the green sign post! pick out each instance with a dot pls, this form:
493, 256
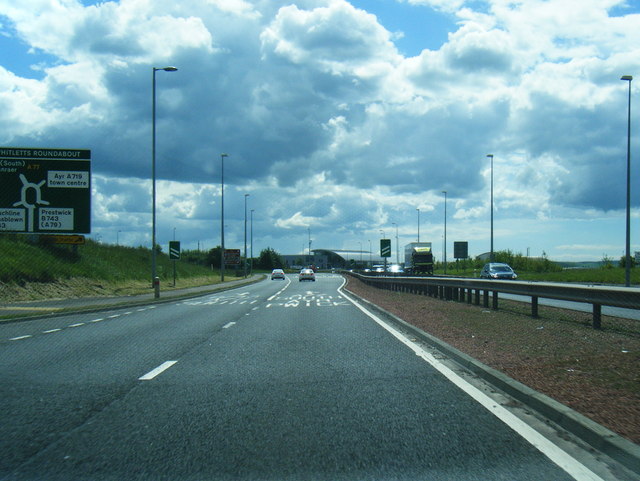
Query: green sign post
45, 190
174, 254
385, 247
174, 250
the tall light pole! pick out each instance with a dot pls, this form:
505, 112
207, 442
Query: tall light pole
445, 231
222, 156
627, 264
491, 208
397, 246
153, 177
370, 261
418, 209
251, 264
245, 234
360, 254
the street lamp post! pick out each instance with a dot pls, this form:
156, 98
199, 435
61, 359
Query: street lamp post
491, 208
627, 264
370, 261
397, 246
445, 231
418, 209
245, 234
251, 262
222, 156
153, 177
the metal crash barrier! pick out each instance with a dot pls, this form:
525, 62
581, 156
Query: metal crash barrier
473, 290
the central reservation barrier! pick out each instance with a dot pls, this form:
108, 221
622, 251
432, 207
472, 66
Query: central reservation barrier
473, 291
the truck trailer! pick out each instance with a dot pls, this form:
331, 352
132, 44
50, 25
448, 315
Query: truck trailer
418, 258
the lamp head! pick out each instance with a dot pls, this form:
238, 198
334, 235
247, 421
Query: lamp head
627, 77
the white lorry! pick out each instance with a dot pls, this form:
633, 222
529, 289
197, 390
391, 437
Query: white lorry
418, 258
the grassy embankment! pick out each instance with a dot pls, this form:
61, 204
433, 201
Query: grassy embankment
31, 271
542, 269
598, 275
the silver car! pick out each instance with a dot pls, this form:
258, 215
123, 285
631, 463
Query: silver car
307, 275
498, 270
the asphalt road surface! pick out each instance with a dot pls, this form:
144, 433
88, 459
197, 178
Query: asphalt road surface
280, 380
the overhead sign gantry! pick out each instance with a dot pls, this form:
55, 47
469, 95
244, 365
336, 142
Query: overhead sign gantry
45, 190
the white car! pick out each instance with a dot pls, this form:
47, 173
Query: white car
277, 274
307, 275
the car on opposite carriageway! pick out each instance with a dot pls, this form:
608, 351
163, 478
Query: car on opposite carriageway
497, 270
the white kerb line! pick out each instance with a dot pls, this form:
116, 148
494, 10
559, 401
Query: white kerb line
561, 458
158, 370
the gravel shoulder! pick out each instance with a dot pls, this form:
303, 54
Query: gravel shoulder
594, 372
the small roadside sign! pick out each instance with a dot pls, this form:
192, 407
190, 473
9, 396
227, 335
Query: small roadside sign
174, 250
385, 247
64, 239
232, 257
460, 250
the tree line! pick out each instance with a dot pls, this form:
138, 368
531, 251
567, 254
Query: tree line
267, 260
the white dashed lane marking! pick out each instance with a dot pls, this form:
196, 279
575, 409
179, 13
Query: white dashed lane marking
19, 338
157, 371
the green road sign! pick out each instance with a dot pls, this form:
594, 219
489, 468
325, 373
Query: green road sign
385, 247
45, 190
174, 250
460, 250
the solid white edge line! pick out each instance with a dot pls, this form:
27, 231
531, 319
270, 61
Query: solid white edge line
158, 370
561, 458
280, 291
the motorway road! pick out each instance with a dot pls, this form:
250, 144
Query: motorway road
279, 380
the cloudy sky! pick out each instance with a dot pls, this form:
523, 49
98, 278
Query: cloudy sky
340, 118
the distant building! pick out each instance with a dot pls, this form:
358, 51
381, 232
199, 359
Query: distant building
332, 258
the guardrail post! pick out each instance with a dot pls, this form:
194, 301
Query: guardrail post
597, 316
485, 299
495, 300
477, 297
534, 306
